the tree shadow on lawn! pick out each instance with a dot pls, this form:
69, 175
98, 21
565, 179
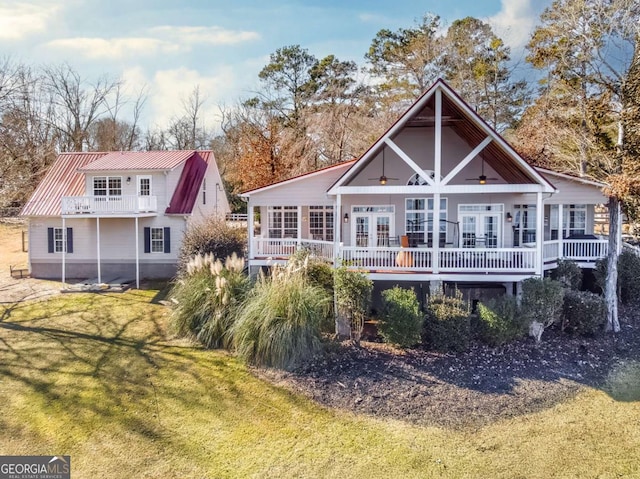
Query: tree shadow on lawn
107, 363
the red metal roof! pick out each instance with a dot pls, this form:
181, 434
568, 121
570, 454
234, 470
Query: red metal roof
62, 179
186, 192
139, 160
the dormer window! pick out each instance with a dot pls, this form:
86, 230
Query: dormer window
107, 186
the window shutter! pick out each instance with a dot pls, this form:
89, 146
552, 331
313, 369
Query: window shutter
69, 240
167, 240
147, 240
50, 239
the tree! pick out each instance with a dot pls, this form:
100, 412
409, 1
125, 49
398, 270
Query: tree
587, 47
475, 64
406, 60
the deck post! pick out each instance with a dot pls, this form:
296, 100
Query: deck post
64, 253
98, 249
437, 168
435, 243
137, 256
539, 235
299, 238
561, 231
250, 226
337, 230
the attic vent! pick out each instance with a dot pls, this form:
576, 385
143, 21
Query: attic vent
417, 180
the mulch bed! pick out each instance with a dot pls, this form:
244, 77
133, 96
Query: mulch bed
469, 389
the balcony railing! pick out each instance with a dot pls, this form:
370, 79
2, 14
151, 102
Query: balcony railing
130, 204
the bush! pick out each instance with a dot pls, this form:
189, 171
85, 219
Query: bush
541, 304
500, 321
353, 297
583, 313
628, 276
207, 297
211, 236
568, 273
401, 321
447, 324
279, 324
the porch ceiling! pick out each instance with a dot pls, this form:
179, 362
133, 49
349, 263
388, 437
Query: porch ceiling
452, 116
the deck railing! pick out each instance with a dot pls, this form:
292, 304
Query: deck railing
395, 258
78, 205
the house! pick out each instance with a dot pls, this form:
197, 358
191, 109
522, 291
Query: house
119, 214
439, 197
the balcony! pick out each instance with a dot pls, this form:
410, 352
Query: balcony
128, 205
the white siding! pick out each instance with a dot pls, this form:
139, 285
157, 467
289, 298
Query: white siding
216, 199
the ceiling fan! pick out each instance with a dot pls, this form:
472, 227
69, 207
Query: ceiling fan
382, 179
482, 179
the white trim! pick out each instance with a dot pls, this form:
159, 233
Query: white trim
467, 160
137, 255
139, 178
540, 234
571, 178
448, 189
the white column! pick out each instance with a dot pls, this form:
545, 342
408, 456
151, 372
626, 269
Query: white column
437, 169
137, 256
539, 234
337, 230
299, 225
98, 249
561, 231
436, 233
64, 252
251, 232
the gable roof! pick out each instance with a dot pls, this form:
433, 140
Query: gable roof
309, 174
66, 176
186, 192
139, 160
62, 179
467, 124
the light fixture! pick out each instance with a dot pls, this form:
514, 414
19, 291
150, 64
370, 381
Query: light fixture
482, 179
128, 179
509, 217
346, 218
383, 180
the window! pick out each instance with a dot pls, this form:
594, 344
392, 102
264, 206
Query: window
144, 186
157, 240
283, 221
419, 220
321, 222
575, 220
107, 186
57, 240
524, 225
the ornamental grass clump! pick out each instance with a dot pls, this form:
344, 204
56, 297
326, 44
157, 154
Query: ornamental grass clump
207, 297
279, 324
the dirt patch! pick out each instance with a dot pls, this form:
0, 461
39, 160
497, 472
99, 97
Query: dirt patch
12, 289
470, 389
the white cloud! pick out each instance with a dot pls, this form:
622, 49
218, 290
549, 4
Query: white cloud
208, 35
168, 89
19, 20
114, 48
161, 40
514, 22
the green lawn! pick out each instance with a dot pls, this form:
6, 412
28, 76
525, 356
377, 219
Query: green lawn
97, 377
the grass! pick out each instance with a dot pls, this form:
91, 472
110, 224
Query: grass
96, 377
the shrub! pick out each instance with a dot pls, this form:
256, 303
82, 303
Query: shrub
353, 298
568, 273
211, 236
401, 321
628, 276
207, 297
447, 324
541, 304
500, 321
279, 324
583, 312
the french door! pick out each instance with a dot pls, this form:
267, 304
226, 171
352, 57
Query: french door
481, 230
372, 228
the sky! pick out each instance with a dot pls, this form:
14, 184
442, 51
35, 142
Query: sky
168, 47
